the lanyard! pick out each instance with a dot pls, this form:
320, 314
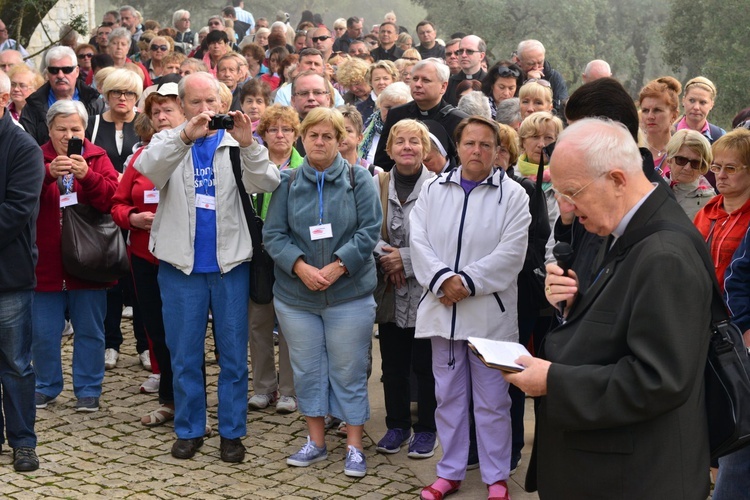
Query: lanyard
319, 179
68, 183
285, 165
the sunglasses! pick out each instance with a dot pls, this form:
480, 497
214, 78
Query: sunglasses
323, 38
506, 72
450, 54
682, 161
163, 48
468, 52
543, 83
53, 70
87, 55
107, 24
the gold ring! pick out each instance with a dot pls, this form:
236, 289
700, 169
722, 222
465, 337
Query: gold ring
547, 289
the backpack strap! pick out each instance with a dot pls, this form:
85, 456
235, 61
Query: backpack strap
384, 179
247, 206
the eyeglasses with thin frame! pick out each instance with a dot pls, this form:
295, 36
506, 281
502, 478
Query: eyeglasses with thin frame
728, 169
53, 70
129, 94
284, 130
540, 81
305, 93
570, 198
22, 86
682, 161
322, 38
468, 52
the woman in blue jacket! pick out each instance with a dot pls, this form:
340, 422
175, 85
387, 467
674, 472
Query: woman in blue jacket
322, 226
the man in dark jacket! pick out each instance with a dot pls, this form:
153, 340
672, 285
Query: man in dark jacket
21, 176
62, 83
428, 84
387, 48
530, 56
353, 32
471, 52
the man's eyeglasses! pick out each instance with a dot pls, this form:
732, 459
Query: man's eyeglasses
163, 48
107, 24
120, 93
468, 52
506, 72
53, 70
323, 38
728, 169
540, 81
87, 55
682, 161
570, 198
305, 93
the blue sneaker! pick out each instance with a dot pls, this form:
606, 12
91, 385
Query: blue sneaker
42, 400
308, 455
355, 465
422, 445
392, 441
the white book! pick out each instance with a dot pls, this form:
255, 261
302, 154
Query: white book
498, 354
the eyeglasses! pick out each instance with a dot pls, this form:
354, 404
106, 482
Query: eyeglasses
22, 86
570, 198
728, 169
120, 93
53, 70
450, 54
4, 30
682, 161
323, 38
506, 72
163, 48
540, 81
87, 55
284, 130
108, 24
468, 52
305, 93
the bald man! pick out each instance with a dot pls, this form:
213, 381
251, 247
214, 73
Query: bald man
596, 69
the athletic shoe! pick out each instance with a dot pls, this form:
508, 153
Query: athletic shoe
145, 359
42, 400
355, 465
127, 312
68, 330
308, 455
151, 385
262, 401
88, 404
392, 441
286, 404
25, 460
110, 358
422, 445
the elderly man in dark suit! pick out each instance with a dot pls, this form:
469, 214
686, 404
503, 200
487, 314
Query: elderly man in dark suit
621, 413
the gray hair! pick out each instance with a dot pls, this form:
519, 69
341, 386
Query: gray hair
395, 92
508, 111
4, 83
443, 73
59, 52
218, 18
178, 15
120, 33
599, 66
529, 45
603, 145
205, 76
475, 103
67, 107
129, 8
278, 24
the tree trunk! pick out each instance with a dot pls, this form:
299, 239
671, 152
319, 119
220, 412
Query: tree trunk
22, 17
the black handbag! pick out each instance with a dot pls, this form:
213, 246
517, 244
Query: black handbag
93, 248
261, 265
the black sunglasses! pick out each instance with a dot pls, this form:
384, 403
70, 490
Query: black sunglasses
506, 72
87, 55
682, 161
53, 70
323, 38
163, 48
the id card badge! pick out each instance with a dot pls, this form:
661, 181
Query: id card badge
151, 196
205, 201
69, 199
321, 232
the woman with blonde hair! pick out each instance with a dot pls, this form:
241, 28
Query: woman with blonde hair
659, 108
23, 82
697, 101
535, 95
689, 157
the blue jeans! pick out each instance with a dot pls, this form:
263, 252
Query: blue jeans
16, 372
328, 349
87, 309
733, 481
186, 299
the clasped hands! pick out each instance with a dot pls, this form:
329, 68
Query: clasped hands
316, 279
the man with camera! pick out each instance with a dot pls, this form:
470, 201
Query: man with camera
201, 239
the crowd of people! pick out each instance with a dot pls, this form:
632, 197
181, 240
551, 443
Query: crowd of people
412, 189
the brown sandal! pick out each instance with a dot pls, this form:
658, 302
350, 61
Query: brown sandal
437, 494
159, 416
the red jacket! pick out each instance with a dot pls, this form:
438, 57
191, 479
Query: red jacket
95, 189
725, 231
128, 199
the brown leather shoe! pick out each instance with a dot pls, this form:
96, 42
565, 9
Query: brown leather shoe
232, 450
186, 448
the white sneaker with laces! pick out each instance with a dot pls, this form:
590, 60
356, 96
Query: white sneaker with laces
110, 358
286, 404
262, 401
145, 359
151, 385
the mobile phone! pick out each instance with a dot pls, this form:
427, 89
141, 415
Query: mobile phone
75, 146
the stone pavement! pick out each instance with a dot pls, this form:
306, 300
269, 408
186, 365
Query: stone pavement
109, 454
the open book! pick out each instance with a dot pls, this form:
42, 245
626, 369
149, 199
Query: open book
498, 354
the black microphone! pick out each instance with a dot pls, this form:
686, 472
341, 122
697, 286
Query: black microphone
564, 255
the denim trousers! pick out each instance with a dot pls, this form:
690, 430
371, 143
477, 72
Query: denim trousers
87, 309
733, 481
329, 348
455, 386
401, 353
185, 301
16, 373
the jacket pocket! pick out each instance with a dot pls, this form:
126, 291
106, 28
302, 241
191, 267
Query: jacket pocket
499, 302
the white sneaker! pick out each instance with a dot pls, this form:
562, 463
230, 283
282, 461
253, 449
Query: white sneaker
110, 358
286, 404
68, 330
262, 401
145, 359
151, 385
127, 312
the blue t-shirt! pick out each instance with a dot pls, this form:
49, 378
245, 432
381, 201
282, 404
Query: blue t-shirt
203, 151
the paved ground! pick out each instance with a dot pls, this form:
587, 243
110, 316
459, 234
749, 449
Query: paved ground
109, 454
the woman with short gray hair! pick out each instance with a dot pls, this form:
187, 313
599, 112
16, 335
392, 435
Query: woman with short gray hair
119, 47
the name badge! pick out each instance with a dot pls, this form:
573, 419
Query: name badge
69, 199
321, 232
151, 196
206, 202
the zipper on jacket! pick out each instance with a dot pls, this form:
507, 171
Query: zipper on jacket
499, 302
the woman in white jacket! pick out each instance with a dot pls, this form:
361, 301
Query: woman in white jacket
468, 239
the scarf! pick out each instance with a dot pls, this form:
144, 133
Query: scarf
374, 127
529, 170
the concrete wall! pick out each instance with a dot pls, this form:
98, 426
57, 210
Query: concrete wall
60, 14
